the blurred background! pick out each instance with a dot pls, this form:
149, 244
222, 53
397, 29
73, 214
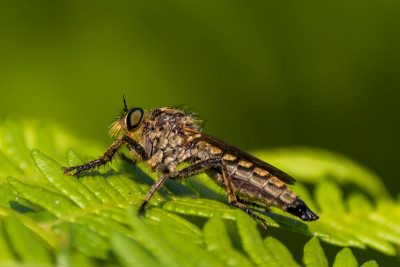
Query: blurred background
262, 75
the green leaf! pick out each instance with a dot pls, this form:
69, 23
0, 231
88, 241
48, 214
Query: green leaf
68, 185
53, 202
68, 256
206, 208
252, 242
370, 264
14, 145
130, 253
75, 259
345, 258
218, 242
156, 244
7, 167
6, 254
314, 255
92, 221
51, 239
85, 240
330, 198
33, 251
196, 253
177, 223
280, 253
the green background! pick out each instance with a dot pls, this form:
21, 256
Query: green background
262, 74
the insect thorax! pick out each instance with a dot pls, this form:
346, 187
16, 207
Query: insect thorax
165, 141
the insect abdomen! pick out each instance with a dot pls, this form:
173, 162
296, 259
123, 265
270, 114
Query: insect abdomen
254, 183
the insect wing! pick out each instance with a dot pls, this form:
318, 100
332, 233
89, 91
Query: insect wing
284, 177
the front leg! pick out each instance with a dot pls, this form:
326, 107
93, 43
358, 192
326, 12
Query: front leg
131, 144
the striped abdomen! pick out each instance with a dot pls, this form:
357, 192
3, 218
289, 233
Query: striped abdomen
254, 183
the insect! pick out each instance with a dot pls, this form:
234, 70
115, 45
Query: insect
166, 137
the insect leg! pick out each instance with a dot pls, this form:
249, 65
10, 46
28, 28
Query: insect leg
184, 173
249, 212
232, 197
228, 184
152, 191
108, 155
134, 146
126, 159
195, 168
199, 168
206, 164
252, 204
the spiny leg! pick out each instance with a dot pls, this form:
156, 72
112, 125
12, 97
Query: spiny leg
184, 173
195, 168
252, 204
135, 147
152, 191
228, 184
108, 155
249, 212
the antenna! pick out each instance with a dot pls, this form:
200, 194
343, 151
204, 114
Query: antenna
125, 106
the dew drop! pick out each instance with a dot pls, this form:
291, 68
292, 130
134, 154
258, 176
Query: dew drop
57, 202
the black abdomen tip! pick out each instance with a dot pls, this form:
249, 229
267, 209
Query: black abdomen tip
299, 208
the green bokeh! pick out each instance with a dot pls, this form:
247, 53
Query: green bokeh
262, 74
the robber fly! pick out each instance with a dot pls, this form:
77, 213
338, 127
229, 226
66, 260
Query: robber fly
166, 137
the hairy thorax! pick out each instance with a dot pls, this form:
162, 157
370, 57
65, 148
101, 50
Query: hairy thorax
165, 141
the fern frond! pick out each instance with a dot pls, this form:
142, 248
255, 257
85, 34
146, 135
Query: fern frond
93, 220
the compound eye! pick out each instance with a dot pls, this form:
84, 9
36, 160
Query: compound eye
134, 118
